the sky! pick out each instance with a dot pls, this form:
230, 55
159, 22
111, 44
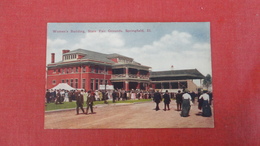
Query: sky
183, 45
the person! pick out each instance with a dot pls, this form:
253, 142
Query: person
200, 101
97, 98
53, 95
157, 99
62, 95
167, 100
100, 94
66, 96
48, 96
119, 94
133, 94
138, 95
73, 95
85, 95
89, 101
186, 99
128, 95
206, 109
114, 96
58, 97
193, 95
106, 97
70, 95
124, 96
79, 102
179, 100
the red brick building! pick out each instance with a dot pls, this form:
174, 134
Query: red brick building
88, 69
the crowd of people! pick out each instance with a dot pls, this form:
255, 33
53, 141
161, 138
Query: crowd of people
184, 99
60, 96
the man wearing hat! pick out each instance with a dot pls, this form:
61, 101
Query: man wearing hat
90, 99
79, 102
179, 100
167, 100
157, 99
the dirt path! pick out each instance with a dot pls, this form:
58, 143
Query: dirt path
138, 115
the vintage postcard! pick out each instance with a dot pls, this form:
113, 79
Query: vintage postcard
128, 75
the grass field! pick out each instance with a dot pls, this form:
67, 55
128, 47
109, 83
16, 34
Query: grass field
67, 105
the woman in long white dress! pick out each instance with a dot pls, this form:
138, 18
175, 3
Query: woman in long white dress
133, 94
66, 96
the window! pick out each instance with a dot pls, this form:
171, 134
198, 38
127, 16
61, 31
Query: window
62, 81
92, 84
92, 70
96, 84
71, 82
53, 82
77, 69
76, 83
84, 69
83, 83
67, 81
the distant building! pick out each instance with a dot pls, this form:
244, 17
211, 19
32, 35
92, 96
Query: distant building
84, 69
174, 80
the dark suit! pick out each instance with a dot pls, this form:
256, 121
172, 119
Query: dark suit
179, 101
79, 102
89, 102
157, 99
48, 96
166, 100
58, 98
114, 96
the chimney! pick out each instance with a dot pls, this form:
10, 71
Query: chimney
52, 57
65, 51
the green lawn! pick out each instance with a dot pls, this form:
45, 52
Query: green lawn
66, 105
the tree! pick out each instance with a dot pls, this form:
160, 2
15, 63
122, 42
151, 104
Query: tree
207, 81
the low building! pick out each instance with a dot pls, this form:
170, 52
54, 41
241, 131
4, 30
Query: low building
84, 69
174, 80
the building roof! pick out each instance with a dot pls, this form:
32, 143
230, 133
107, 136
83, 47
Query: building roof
176, 74
91, 55
115, 55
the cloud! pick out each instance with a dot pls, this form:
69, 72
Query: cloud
180, 49
101, 42
55, 43
55, 46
